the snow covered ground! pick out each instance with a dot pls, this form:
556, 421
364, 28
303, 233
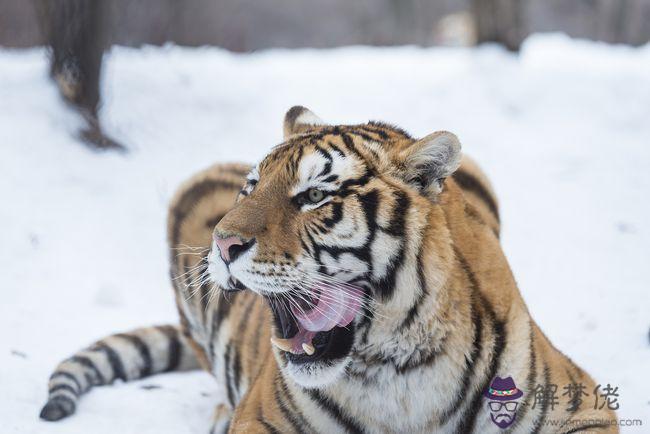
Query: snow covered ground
563, 130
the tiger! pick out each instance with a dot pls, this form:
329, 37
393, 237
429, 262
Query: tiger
351, 282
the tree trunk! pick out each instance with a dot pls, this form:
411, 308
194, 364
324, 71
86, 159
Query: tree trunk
499, 21
75, 33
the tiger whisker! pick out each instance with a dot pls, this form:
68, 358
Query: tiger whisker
326, 289
309, 261
190, 254
293, 302
324, 293
349, 298
335, 283
310, 304
186, 247
200, 263
194, 288
199, 284
198, 278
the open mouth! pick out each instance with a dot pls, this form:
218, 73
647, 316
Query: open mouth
319, 327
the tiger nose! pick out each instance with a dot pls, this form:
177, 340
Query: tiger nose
230, 248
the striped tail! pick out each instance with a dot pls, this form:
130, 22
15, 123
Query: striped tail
124, 356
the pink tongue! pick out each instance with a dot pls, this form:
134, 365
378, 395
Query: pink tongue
336, 306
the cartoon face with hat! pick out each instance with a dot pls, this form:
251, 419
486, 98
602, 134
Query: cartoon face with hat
503, 395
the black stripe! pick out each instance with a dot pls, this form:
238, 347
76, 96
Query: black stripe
226, 373
255, 343
336, 149
245, 317
86, 362
385, 286
192, 278
69, 376
423, 362
235, 366
291, 415
473, 214
576, 398
213, 221
377, 128
219, 315
469, 419
498, 331
62, 386
470, 364
349, 144
204, 293
113, 359
315, 250
424, 292
297, 156
368, 135
288, 415
345, 189
187, 278
397, 226
335, 411
269, 428
187, 202
468, 182
174, 347
337, 215
236, 370
304, 244
241, 328
530, 381
367, 176
295, 409
539, 423
143, 351
366, 138
328, 165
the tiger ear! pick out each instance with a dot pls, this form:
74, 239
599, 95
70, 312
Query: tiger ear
427, 162
299, 120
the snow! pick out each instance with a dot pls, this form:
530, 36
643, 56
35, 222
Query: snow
563, 131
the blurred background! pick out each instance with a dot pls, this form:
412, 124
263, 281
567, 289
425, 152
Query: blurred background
107, 106
79, 31
246, 25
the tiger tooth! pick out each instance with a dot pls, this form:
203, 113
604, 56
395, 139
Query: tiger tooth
309, 349
283, 344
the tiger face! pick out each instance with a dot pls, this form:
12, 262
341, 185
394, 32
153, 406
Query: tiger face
321, 228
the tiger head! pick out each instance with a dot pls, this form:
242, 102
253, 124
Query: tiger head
322, 228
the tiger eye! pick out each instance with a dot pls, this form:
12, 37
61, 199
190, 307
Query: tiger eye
315, 195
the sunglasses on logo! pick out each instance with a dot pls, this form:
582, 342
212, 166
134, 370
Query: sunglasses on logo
510, 406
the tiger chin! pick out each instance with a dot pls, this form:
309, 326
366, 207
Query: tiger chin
352, 281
